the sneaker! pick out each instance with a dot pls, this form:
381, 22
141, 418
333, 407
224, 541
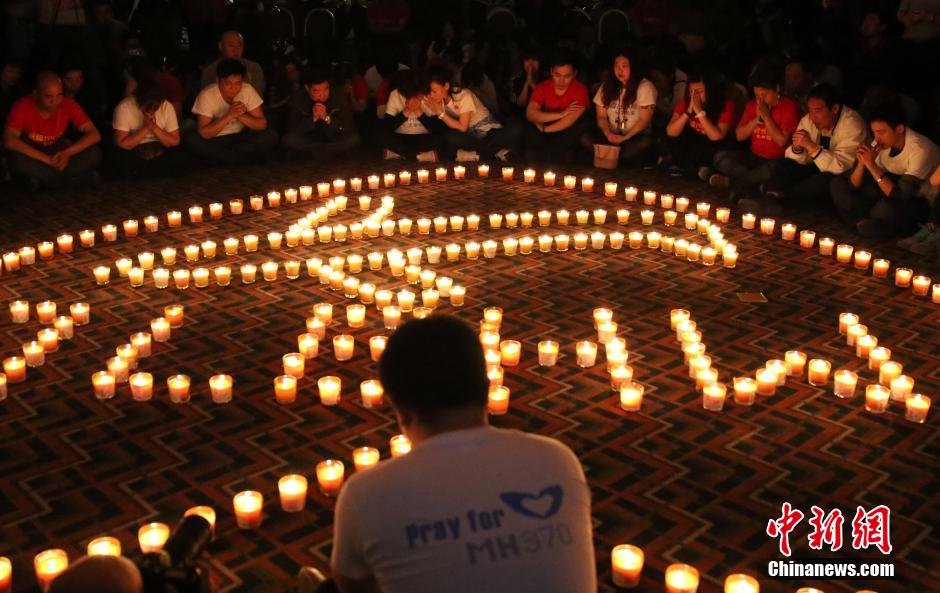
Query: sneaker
390, 155
503, 155
429, 156
917, 237
928, 246
705, 172
718, 180
309, 579
467, 156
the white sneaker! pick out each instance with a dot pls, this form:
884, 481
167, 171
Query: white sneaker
429, 156
309, 579
467, 156
390, 155
503, 154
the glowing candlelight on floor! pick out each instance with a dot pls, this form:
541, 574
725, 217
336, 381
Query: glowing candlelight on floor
847, 320
293, 364
268, 271
844, 253
200, 277
880, 268
440, 174
174, 314
876, 399
34, 353
19, 311
889, 371
46, 249
457, 294
741, 583
330, 476
646, 217
681, 578
11, 261
27, 256
498, 400
152, 536
854, 332
935, 293
220, 387
141, 386
128, 353
819, 371
826, 246
587, 353
343, 347
508, 172
103, 383
423, 176
631, 397
371, 392
400, 445
626, 565
256, 202
377, 347
745, 390
916, 408
862, 259
48, 565
160, 328
864, 344
767, 226
901, 387
748, 220
65, 325
6, 575
713, 397
103, 546
329, 388
484, 171
66, 243
365, 458
902, 277
174, 218
292, 489
181, 279
767, 380
249, 509
178, 386
796, 362
45, 312
570, 181
459, 172
14, 368
285, 389
620, 375
845, 382
510, 351
920, 285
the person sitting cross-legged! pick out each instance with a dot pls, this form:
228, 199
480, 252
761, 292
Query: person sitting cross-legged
146, 132
555, 112
926, 241
231, 127
889, 190
472, 128
321, 121
40, 152
823, 147
409, 128
457, 513
699, 127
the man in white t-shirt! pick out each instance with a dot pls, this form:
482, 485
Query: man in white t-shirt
410, 128
471, 508
230, 124
146, 132
888, 192
471, 126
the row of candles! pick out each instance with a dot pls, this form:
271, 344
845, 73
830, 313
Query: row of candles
248, 508
47, 339
844, 253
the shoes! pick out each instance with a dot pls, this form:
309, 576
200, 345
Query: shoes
428, 156
872, 229
928, 246
718, 180
309, 579
390, 155
467, 156
504, 155
917, 237
704, 173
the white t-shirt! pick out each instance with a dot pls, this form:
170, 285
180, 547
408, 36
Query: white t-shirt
627, 115
129, 118
918, 158
470, 511
463, 101
412, 125
211, 104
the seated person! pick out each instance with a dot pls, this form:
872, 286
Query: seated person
471, 127
926, 241
101, 574
321, 121
768, 121
409, 127
231, 127
624, 106
232, 47
458, 472
823, 147
146, 132
35, 136
524, 82
554, 112
699, 127
888, 190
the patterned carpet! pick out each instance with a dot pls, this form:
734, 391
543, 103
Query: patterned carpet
683, 483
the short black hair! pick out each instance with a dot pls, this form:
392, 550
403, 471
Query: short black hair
439, 75
765, 74
230, 67
411, 84
434, 365
564, 58
826, 93
889, 113
149, 93
315, 76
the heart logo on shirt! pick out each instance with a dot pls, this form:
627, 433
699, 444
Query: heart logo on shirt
539, 506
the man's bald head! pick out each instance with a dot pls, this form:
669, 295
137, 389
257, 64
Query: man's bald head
101, 574
48, 91
232, 45
44, 79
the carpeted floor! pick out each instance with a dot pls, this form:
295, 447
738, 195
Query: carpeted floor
683, 483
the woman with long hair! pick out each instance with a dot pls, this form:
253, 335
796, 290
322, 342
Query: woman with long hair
624, 105
699, 126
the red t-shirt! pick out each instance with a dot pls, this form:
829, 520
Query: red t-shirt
726, 117
786, 114
545, 97
383, 91
44, 133
360, 89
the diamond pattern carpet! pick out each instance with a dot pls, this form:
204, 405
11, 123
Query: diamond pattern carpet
683, 483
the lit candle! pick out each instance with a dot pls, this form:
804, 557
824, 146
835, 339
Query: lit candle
681, 578
19, 311
629, 193
864, 344
767, 380
220, 387
11, 261
819, 371
27, 256
889, 371
876, 399
343, 347
844, 253
748, 220
510, 351
181, 279
87, 237
141, 386
498, 400
371, 392
6, 575
46, 250
292, 489
587, 353
846, 320
795, 361
902, 277
423, 176
365, 458
103, 546
631, 397
916, 408
713, 397
152, 536
329, 388
160, 328
880, 268
400, 445
549, 178
178, 386
103, 383
826, 246
901, 388
741, 583
920, 285
249, 509
48, 565
285, 389
845, 382
206, 512
767, 226
128, 353
745, 389
45, 312
854, 332
457, 294
330, 476
862, 259
377, 347
34, 354
66, 242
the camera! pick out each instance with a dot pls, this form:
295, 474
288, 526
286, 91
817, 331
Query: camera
174, 569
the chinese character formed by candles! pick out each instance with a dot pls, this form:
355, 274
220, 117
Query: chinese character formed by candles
330, 388
631, 397
141, 386
285, 389
220, 387
845, 382
876, 399
178, 386
103, 382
